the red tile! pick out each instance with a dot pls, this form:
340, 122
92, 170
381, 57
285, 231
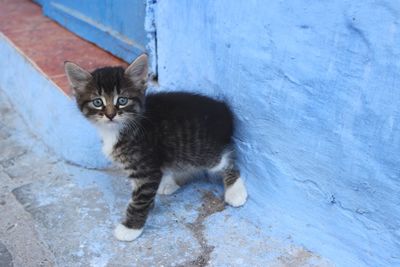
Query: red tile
62, 82
20, 15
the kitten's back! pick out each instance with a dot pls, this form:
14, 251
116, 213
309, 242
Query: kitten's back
212, 113
191, 126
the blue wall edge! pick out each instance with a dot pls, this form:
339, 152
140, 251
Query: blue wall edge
49, 113
92, 31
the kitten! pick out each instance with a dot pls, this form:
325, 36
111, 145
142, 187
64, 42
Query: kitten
158, 138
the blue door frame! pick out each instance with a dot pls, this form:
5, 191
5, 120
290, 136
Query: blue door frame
115, 25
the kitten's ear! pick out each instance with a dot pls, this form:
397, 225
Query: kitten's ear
137, 72
77, 76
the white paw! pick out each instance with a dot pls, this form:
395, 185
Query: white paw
123, 233
236, 194
167, 186
133, 184
167, 189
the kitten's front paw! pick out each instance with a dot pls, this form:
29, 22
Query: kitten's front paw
167, 187
236, 194
123, 233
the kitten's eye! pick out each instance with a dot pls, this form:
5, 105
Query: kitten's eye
122, 101
97, 102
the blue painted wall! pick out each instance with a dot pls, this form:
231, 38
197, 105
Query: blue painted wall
316, 90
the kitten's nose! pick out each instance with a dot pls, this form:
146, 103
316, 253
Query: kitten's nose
111, 115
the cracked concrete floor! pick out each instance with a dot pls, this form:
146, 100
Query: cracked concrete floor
57, 214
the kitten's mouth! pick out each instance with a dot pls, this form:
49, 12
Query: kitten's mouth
107, 122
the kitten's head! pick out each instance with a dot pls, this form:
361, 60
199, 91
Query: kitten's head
109, 96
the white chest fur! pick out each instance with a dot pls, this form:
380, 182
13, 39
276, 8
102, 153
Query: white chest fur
109, 135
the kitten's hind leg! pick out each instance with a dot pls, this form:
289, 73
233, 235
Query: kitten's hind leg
235, 190
168, 184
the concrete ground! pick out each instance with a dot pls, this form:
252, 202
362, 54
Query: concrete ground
53, 213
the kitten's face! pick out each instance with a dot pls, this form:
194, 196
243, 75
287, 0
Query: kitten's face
109, 96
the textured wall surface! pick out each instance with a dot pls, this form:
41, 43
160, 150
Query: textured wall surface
316, 90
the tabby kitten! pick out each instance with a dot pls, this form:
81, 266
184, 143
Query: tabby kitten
158, 138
